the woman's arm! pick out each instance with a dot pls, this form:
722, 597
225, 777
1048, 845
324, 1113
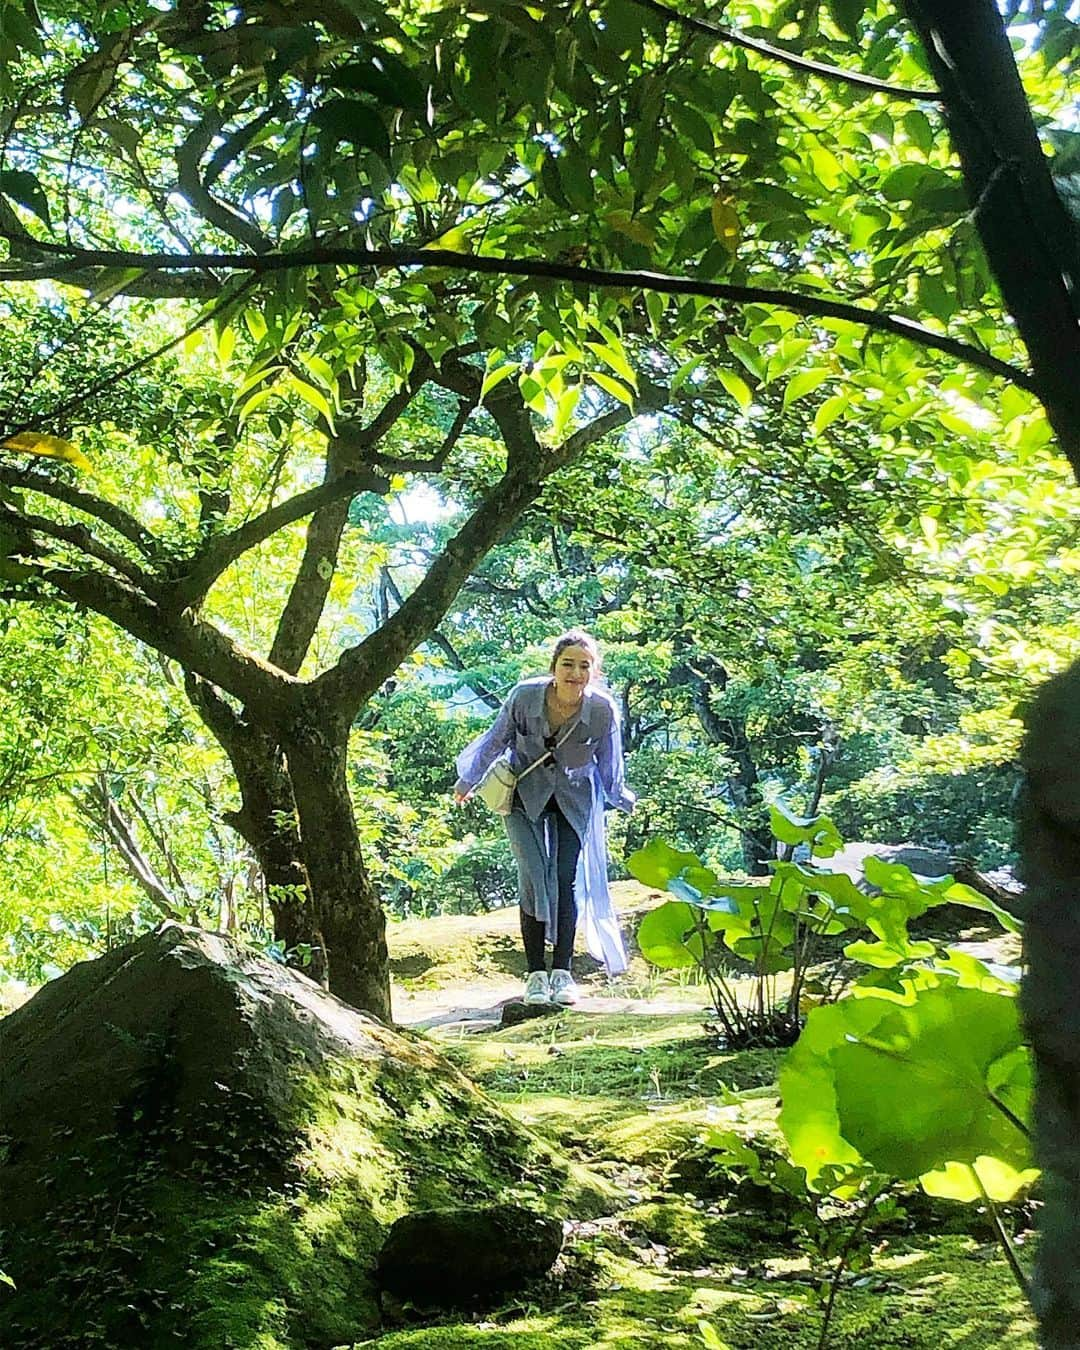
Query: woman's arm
609, 764
479, 755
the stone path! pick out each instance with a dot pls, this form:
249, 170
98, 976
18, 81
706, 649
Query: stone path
479, 1007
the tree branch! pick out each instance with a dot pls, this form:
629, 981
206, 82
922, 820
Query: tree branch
198, 195
771, 53
362, 668
311, 585
195, 644
434, 463
812, 306
363, 438
440, 640
79, 537
112, 821
113, 516
190, 589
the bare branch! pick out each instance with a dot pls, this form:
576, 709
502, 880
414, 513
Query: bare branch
813, 306
360, 438
436, 462
111, 819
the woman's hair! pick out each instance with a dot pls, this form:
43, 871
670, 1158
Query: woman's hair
576, 637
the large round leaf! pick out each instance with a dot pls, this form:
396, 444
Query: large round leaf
912, 1091
668, 936
912, 1088
657, 863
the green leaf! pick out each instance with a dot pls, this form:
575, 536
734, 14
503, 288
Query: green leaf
912, 1092
382, 75
614, 387
805, 382
22, 187
552, 181
909, 1088
615, 357
690, 123
669, 936
829, 411
565, 408
314, 398
1000, 1181
847, 15
919, 131
819, 831
658, 862
736, 387
748, 354
496, 377
344, 119
827, 168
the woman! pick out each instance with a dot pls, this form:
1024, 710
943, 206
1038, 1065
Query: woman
556, 824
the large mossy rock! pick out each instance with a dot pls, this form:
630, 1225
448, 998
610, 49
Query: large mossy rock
200, 1147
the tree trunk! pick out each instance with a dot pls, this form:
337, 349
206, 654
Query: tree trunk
347, 909
730, 732
1030, 241
267, 821
1050, 845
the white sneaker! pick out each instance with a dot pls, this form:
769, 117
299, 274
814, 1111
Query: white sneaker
563, 988
537, 988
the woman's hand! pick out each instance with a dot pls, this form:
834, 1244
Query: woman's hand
460, 798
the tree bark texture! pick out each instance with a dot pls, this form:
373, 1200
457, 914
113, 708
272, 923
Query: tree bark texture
1050, 847
1025, 229
267, 821
347, 907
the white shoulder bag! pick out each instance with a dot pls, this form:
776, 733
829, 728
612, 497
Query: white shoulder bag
496, 788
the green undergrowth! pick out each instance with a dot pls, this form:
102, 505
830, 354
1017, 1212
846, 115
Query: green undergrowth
631, 1094
931, 1293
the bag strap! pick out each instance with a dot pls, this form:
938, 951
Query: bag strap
547, 753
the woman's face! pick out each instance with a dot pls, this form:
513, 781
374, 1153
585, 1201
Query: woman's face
573, 671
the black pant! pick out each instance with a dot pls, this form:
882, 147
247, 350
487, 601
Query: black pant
532, 930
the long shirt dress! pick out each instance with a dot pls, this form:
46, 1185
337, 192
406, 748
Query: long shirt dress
584, 776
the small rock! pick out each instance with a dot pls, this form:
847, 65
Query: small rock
451, 1256
515, 1011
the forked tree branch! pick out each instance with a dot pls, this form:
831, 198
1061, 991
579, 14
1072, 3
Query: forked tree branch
191, 587
80, 538
347, 686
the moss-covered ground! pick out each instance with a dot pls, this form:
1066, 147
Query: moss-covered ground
630, 1093
154, 1235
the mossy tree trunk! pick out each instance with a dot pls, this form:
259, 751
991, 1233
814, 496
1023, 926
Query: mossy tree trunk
351, 923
